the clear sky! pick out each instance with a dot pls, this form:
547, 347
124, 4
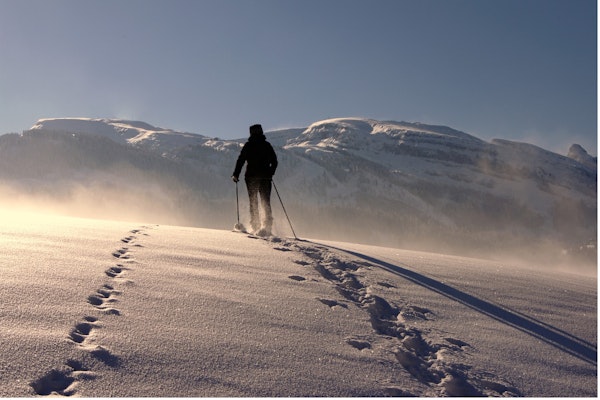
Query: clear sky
515, 69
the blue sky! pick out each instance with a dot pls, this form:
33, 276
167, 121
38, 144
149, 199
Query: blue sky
515, 69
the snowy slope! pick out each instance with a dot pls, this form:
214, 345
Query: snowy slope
447, 180
122, 131
100, 309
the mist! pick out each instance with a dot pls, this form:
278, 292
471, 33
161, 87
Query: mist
447, 192
140, 199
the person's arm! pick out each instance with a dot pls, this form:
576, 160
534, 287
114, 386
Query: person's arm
273, 162
239, 164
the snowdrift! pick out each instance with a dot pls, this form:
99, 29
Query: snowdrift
98, 308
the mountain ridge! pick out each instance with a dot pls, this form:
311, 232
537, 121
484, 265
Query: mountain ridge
142, 129
377, 182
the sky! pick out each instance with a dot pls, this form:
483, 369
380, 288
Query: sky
522, 70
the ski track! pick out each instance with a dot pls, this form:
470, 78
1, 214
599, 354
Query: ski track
438, 362
63, 381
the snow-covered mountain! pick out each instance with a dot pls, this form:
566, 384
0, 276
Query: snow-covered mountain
382, 182
121, 131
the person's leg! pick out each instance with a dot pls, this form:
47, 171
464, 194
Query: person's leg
265, 197
253, 188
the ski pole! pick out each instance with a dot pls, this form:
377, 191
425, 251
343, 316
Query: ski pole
284, 211
237, 202
238, 227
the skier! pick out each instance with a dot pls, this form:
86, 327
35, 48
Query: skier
262, 163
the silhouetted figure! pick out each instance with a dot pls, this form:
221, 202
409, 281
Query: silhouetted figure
262, 163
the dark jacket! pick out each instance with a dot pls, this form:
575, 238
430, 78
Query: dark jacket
261, 158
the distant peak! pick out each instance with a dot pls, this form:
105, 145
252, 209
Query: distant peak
120, 130
352, 123
577, 149
79, 122
353, 126
579, 154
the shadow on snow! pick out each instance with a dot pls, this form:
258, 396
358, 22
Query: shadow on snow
556, 337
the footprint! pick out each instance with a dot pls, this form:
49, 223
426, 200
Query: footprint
102, 298
282, 248
313, 253
416, 366
343, 265
95, 300
121, 253
325, 273
414, 342
383, 316
379, 307
350, 281
503, 389
104, 355
349, 294
79, 371
456, 384
80, 332
114, 271
332, 303
397, 392
106, 296
76, 365
413, 313
99, 301
62, 381
106, 291
55, 381
456, 342
359, 344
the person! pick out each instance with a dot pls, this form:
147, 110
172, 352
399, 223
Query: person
261, 165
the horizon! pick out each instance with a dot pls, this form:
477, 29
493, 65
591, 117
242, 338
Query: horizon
267, 131
216, 67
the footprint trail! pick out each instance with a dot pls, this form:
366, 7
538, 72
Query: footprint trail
439, 363
63, 381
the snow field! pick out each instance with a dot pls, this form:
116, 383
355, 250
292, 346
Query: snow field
96, 308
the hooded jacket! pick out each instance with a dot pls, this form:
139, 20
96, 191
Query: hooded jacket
260, 156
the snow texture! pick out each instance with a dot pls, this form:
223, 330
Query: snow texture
99, 308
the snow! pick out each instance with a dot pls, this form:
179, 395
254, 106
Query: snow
122, 131
104, 308
579, 154
399, 184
